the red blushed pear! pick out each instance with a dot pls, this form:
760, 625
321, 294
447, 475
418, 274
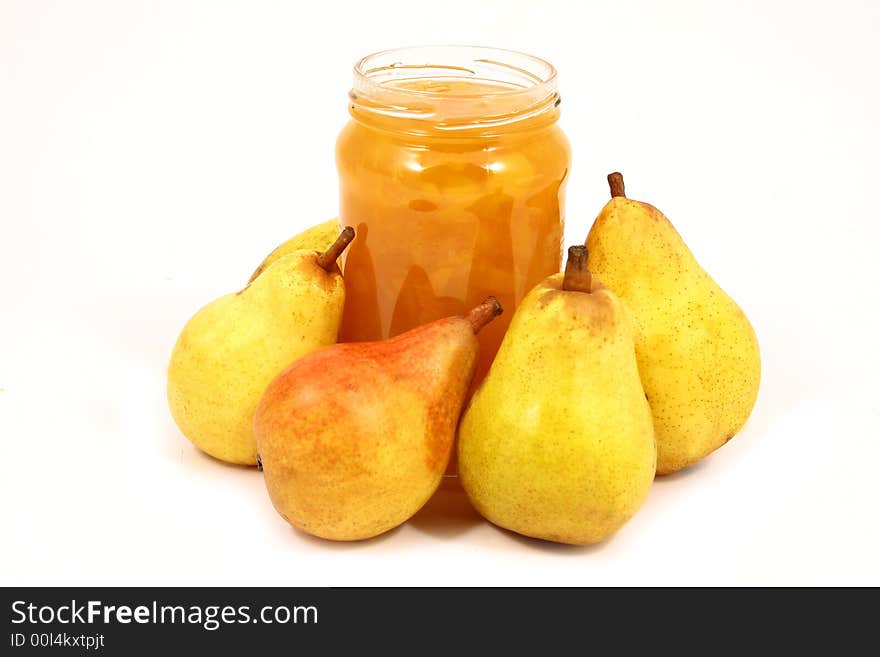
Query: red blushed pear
354, 438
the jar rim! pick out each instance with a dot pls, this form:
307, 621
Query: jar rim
515, 85
466, 61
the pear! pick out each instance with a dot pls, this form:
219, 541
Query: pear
354, 438
231, 349
558, 442
697, 352
311, 239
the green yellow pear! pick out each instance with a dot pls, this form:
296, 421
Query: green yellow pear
230, 350
355, 438
315, 238
558, 442
697, 352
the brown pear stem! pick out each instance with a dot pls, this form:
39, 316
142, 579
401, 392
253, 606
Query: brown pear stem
484, 313
577, 276
328, 258
615, 182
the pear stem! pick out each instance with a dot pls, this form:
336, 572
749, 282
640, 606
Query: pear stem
615, 182
328, 258
484, 313
577, 276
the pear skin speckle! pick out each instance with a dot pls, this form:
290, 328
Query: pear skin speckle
558, 442
698, 354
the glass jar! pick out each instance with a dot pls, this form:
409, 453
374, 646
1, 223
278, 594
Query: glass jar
452, 172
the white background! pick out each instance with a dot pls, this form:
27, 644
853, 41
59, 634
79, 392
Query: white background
152, 152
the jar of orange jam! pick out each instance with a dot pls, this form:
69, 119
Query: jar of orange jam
452, 171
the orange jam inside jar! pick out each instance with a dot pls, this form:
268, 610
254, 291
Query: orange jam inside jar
452, 172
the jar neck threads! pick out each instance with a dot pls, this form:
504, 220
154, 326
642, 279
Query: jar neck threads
454, 91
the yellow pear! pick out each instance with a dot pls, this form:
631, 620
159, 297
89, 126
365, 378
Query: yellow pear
312, 239
230, 350
697, 352
558, 443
